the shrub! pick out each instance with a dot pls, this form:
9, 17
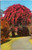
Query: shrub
4, 30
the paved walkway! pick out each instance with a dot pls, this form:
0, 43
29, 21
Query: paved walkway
22, 44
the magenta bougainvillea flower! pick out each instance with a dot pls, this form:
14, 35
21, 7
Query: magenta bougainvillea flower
18, 15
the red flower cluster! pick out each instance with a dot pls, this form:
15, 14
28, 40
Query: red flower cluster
18, 14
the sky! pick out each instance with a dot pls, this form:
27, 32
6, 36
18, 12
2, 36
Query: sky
6, 4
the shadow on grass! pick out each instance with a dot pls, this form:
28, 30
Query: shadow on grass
17, 36
6, 41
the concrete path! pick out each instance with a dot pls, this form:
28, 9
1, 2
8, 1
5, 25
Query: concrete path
22, 44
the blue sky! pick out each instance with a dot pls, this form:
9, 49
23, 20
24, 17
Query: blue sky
6, 4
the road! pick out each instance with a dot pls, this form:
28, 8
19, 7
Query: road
18, 43
22, 44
